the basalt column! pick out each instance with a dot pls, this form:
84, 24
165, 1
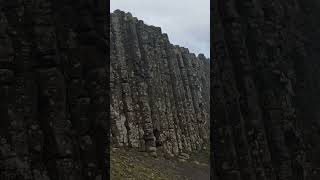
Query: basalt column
160, 92
54, 111
261, 80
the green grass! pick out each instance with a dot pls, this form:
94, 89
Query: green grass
128, 166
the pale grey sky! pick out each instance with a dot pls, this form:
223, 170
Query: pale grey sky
187, 22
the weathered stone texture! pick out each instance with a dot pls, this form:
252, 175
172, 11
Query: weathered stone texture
264, 90
53, 90
160, 92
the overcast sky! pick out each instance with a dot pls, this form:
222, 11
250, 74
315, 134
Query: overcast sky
187, 22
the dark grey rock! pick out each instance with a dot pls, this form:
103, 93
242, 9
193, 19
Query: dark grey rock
160, 92
53, 90
264, 100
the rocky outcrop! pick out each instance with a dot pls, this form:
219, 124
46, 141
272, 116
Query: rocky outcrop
53, 90
159, 92
264, 92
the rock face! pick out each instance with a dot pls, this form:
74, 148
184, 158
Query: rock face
265, 90
159, 92
53, 91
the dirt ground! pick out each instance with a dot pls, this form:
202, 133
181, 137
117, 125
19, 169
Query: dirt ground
131, 164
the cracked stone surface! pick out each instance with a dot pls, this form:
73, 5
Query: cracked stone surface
159, 91
53, 90
265, 90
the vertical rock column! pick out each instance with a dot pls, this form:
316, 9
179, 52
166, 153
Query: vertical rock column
123, 97
168, 129
177, 108
92, 53
256, 52
11, 122
153, 94
137, 78
146, 103
54, 89
201, 66
52, 95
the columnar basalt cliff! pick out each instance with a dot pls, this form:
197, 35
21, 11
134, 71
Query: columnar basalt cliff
53, 91
159, 92
265, 90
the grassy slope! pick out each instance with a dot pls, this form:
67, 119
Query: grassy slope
134, 165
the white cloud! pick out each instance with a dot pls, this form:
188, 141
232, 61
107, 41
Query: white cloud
187, 22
